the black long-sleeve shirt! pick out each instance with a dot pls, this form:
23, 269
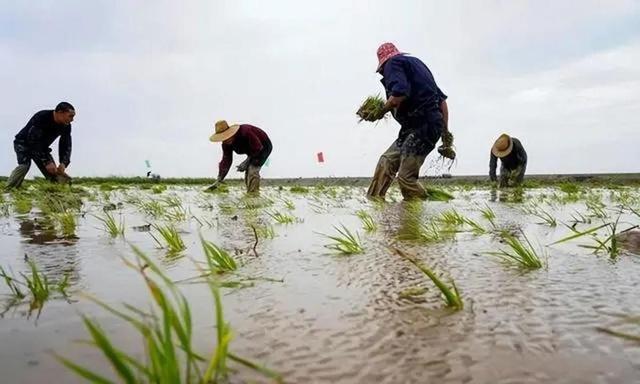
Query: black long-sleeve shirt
40, 132
516, 158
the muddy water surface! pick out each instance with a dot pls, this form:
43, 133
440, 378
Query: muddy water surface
343, 319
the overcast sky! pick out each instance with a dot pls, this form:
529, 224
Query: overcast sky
149, 79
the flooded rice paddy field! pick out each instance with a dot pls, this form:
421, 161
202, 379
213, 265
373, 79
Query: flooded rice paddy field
315, 315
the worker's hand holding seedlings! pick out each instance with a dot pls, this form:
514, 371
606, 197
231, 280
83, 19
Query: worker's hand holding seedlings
392, 103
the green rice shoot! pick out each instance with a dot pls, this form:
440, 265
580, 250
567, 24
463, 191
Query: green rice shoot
345, 241
371, 105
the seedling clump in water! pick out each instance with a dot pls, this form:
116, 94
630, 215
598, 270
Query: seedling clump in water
345, 242
167, 335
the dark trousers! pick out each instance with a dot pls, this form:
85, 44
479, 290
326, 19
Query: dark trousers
252, 172
512, 177
24, 157
404, 158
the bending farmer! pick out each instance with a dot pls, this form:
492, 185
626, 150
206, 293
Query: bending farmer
242, 139
420, 107
513, 160
34, 140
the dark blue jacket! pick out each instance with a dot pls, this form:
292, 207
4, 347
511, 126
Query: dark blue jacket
408, 76
40, 132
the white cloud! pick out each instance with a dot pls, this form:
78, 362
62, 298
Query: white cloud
149, 81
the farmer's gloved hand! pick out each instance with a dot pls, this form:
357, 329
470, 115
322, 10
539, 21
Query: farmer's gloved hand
242, 167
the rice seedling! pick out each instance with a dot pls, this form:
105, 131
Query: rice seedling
446, 150
569, 188
67, 223
576, 234
520, 253
172, 239
281, 218
158, 189
166, 331
579, 218
626, 321
597, 209
12, 284
371, 105
176, 214
451, 295
265, 231
4, 209
36, 283
299, 189
368, 224
151, 208
608, 244
22, 204
289, 204
221, 188
451, 218
476, 228
218, 260
253, 203
345, 241
435, 194
412, 292
110, 226
489, 215
545, 216
414, 228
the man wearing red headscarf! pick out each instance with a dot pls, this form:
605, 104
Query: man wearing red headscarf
420, 107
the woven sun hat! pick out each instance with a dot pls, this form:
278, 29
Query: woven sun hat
385, 52
224, 131
503, 146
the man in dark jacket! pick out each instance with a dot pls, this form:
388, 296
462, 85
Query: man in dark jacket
513, 159
420, 107
33, 143
242, 139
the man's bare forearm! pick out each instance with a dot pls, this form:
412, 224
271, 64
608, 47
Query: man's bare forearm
444, 108
392, 103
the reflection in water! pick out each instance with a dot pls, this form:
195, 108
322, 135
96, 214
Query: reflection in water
56, 261
41, 230
508, 195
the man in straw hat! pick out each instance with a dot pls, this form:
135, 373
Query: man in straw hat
420, 107
242, 139
513, 159
33, 141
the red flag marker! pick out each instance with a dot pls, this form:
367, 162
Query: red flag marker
320, 156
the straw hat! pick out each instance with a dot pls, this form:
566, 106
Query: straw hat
503, 146
385, 52
224, 131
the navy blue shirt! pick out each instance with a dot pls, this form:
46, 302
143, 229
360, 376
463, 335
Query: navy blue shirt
408, 76
40, 132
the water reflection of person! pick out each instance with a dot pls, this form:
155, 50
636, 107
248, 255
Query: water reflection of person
41, 232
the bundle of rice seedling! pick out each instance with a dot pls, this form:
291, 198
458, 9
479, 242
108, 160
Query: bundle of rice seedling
446, 149
371, 105
435, 194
